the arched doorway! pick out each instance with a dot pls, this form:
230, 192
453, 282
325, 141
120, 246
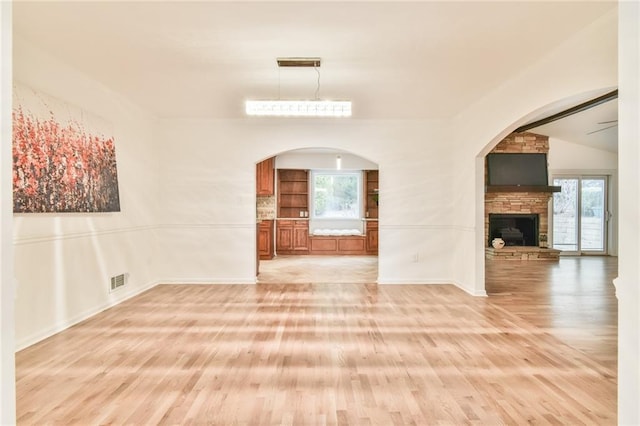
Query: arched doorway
317, 217
573, 299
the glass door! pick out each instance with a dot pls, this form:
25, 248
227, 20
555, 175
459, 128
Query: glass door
580, 215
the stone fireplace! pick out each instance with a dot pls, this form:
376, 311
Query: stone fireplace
518, 212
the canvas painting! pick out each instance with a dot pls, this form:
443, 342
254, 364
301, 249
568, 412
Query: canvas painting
64, 157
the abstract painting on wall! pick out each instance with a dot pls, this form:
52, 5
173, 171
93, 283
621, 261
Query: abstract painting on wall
64, 158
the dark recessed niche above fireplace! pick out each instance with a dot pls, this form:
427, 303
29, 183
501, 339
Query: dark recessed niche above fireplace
514, 229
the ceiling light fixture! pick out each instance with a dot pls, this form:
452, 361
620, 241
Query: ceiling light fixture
299, 108
338, 162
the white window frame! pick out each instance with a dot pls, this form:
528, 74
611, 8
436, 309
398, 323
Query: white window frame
312, 187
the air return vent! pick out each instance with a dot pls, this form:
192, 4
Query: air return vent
117, 282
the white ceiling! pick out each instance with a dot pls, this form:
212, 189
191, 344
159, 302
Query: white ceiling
596, 127
392, 59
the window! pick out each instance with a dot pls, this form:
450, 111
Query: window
336, 195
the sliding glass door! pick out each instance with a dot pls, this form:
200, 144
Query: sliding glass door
580, 214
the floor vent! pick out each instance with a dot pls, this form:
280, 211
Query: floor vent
117, 282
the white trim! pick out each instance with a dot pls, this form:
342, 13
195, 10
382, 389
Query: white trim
86, 314
212, 281
418, 281
77, 235
425, 227
403, 281
474, 293
223, 226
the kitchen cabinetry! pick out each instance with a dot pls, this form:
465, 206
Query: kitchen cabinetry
265, 177
292, 236
372, 237
265, 240
371, 190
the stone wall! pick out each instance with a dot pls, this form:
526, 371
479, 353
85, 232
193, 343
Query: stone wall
520, 202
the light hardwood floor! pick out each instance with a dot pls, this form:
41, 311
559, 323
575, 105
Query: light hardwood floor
338, 354
295, 269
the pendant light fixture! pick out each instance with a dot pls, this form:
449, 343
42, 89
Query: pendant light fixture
299, 108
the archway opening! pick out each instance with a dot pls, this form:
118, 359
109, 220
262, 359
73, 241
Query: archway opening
317, 217
573, 298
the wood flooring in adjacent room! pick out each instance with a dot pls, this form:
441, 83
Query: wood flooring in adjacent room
540, 349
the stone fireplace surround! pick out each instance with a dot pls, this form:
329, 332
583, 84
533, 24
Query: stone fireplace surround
529, 203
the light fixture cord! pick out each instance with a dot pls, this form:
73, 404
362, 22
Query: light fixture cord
318, 86
278, 83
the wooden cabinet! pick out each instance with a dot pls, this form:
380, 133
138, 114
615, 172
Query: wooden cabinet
293, 193
371, 191
372, 237
265, 177
265, 240
284, 237
292, 236
301, 236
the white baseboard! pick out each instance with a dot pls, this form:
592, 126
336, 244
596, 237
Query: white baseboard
391, 281
213, 281
476, 293
387, 281
63, 325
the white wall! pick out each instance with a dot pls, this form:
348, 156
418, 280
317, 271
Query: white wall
319, 161
208, 181
565, 155
581, 64
7, 337
628, 281
63, 261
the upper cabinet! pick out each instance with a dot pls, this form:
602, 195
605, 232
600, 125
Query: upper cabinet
293, 193
265, 177
371, 193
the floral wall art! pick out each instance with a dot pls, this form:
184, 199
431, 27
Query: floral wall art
64, 157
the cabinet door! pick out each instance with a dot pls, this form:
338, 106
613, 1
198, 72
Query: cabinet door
265, 238
284, 237
372, 237
301, 238
265, 177
372, 241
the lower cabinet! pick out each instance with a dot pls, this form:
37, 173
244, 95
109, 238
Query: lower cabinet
265, 240
372, 237
292, 237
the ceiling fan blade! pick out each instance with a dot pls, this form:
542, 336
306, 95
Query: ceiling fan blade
607, 122
604, 128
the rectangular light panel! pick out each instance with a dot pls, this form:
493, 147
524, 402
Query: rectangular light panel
279, 108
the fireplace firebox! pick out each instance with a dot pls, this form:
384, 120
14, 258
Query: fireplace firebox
514, 229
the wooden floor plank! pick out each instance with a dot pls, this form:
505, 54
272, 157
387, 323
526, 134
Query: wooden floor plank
339, 354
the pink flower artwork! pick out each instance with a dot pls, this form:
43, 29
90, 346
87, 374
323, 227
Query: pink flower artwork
64, 158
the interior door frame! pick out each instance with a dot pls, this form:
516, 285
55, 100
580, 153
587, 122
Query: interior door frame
608, 216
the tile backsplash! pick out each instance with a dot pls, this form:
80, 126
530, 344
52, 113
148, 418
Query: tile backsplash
266, 207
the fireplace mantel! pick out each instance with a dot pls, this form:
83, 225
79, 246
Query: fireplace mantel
522, 188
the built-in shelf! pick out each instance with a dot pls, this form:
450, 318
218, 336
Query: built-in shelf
293, 193
522, 188
371, 189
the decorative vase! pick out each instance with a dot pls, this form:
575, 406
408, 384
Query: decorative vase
497, 243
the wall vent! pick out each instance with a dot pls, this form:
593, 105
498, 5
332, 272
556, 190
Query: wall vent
117, 282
